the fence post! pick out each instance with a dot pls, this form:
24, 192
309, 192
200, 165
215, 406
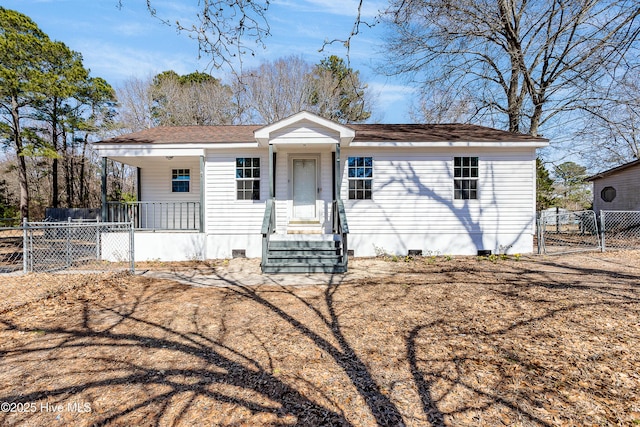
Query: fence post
68, 243
98, 236
132, 253
542, 225
538, 230
25, 247
602, 230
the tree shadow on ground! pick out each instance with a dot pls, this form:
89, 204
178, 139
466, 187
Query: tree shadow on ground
380, 406
451, 354
220, 372
447, 354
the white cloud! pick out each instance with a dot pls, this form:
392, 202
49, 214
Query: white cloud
115, 63
132, 28
391, 93
335, 7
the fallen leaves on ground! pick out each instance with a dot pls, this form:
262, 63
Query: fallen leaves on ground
431, 341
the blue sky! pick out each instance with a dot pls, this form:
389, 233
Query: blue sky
117, 44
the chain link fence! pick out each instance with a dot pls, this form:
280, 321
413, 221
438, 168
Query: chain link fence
11, 245
54, 246
621, 229
566, 232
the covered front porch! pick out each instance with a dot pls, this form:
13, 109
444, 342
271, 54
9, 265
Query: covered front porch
169, 194
305, 225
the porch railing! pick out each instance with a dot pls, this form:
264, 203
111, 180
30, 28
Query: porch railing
156, 215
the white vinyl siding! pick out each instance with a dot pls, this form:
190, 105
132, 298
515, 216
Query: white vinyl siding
157, 182
157, 186
306, 132
413, 193
224, 213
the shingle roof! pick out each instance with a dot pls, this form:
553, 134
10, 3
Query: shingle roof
187, 134
436, 132
364, 133
613, 170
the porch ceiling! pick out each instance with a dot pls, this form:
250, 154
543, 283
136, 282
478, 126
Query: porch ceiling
141, 162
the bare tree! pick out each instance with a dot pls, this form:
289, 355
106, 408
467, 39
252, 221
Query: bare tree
610, 133
169, 99
276, 89
195, 99
283, 87
522, 60
135, 104
445, 106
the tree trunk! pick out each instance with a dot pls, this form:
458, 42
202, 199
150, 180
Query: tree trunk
54, 184
68, 169
55, 196
83, 193
22, 164
535, 120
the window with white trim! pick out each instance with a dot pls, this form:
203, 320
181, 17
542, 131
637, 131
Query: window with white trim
360, 173
248, 178
465, 178
180, 180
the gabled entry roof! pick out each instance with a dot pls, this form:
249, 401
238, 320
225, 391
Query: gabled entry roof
307, 125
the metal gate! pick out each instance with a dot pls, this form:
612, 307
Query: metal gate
567, 232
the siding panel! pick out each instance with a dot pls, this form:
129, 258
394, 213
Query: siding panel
155, 186
413, 193
224, 213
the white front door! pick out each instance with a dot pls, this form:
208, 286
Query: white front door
304, 188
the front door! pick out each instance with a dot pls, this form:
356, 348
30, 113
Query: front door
304, 188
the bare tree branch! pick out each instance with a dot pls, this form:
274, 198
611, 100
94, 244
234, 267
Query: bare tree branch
530, 61
226, 30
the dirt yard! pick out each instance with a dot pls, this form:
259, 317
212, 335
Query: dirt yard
538, 341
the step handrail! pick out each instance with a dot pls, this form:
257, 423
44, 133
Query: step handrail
268, 228
341, 227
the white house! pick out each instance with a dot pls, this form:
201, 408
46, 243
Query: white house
303, 192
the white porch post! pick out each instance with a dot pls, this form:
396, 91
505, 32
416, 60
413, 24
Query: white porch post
138, 184
271, 183
103, 190
338, 182
202, 198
